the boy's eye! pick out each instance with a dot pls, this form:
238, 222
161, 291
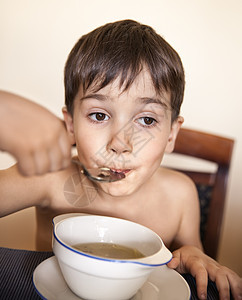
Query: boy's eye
99, 117
147, 121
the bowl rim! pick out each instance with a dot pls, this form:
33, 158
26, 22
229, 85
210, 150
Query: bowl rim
106, 259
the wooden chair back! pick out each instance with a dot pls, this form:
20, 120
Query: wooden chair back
216, 149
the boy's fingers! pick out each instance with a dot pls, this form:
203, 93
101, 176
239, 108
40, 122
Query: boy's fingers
56, 158
235, 285
174, 263
225, 280
222, 284
65, 147
202, 283
42, 162
202, 267
198, 271
26, 165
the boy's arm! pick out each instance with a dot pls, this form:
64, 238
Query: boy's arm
33, 135
18, 192
189, 229
189, 256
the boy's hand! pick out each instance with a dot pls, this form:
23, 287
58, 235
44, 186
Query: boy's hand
33, 135
189, 259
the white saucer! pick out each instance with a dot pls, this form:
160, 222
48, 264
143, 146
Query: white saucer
163, 283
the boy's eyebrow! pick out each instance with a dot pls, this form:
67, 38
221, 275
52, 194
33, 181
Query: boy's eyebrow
148, 100
142, 100
95, 96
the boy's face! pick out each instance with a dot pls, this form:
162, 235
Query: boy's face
126, 131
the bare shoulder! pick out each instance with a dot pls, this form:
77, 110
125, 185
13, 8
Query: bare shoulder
182, 194
176, 191
177, 184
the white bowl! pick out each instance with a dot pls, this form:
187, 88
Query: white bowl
97, 278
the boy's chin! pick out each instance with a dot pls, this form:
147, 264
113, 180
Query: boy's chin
116, 189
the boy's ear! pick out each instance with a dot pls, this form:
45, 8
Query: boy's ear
69, 125
175, 127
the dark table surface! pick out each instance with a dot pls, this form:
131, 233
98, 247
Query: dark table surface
17, 267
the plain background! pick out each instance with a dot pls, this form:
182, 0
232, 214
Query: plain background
36, 37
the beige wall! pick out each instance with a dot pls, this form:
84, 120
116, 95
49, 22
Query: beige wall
36, 36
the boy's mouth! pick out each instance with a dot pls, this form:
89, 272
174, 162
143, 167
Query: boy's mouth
120, 171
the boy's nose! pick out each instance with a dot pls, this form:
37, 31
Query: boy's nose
120, 143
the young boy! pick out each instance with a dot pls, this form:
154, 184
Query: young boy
124, 87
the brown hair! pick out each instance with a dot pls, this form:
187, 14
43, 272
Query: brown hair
122, 49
